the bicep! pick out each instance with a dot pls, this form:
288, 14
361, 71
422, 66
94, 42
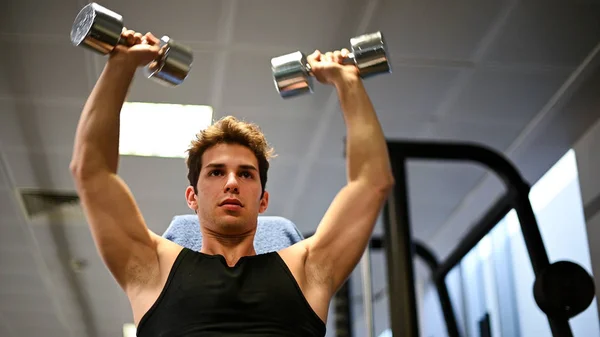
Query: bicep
119, 231
345, 230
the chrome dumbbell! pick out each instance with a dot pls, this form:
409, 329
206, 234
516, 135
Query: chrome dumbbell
292, 73
99, 29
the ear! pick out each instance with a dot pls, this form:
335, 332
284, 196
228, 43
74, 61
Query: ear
191, 198
264, 203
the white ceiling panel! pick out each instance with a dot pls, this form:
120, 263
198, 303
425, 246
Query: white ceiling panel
426, 216
395, 125
326, 180
158, 212
168, 176
248, 82
411, 90
36, 324
288, 134
33, 169
37, 301
433, 29
498, 136
289, 23
11, 234
39, 68
21, 263
21, 284
279, 185
448, 180
4, 184
38, 125
5, 328
38, 17
185, 20
562, 34
8, 211
506, 95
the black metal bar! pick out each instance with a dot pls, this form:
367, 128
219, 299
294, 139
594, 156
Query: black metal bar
343, 311
458, 152
533, 238
518, 189
487, 222
537, 253
399, 254
442, 289
447, 309
426, 255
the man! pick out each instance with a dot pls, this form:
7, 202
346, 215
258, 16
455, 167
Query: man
226, 289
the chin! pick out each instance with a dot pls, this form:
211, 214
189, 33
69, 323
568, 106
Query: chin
230, 222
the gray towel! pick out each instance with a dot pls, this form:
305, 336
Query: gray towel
272, 234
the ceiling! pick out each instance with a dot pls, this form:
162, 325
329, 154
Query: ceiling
480, 71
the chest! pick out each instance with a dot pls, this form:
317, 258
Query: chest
207, 285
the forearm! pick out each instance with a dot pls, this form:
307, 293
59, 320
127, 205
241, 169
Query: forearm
366, 149
97, 137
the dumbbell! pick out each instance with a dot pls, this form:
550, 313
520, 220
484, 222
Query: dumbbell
99, 29
292, 73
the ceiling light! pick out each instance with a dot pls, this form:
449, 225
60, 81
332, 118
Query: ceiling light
160, 130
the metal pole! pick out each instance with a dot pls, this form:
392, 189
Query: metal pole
399, 254
365, 267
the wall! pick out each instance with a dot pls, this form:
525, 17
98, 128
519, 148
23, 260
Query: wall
587, 151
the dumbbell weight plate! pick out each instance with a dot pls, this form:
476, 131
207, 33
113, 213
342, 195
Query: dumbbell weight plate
174, 65
370, 55
97, 28
291, 74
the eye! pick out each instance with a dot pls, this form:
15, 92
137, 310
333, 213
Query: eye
215, 173
246, 174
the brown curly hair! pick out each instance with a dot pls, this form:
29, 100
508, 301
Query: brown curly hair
229, 130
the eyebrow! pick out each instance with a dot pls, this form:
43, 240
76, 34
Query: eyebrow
244, 166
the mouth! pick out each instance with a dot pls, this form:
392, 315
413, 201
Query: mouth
231, 202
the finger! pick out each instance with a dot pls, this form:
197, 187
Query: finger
315, 56
337, 56
137, 37
162, 50
328, 56
345, 52
152, 40
128, 36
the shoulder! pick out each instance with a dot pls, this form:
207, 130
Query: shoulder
307, 271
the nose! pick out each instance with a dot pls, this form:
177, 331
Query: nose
231, 185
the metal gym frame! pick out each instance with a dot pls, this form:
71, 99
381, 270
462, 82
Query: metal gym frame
562, 289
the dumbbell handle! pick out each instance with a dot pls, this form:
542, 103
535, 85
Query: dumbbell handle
348, 60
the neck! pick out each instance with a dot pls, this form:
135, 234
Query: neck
232, 247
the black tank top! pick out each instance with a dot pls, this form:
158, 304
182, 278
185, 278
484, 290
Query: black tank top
203, 296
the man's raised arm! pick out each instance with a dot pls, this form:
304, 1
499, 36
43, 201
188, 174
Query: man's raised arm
119, 231
344, 232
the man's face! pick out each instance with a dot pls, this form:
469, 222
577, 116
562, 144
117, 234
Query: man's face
229, 190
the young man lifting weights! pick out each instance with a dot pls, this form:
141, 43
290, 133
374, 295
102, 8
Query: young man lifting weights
226, 289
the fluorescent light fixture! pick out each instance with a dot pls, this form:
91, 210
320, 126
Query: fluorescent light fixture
161, 130
129, 330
